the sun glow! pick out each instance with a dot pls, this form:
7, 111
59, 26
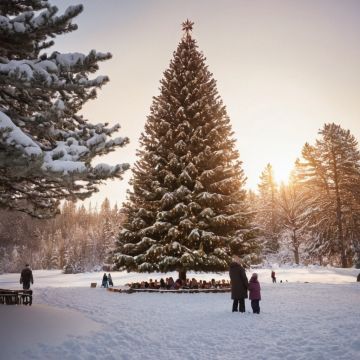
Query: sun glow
282, 171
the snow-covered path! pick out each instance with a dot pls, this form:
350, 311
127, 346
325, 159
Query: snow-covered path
297, 321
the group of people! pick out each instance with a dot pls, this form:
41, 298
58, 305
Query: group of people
107, 281
241, 286
170, 284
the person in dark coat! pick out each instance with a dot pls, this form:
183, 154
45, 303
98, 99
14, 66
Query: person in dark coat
110, 280
254, 293
26, 277
105, 281
358, 278
273, 277
162, 284
239, 285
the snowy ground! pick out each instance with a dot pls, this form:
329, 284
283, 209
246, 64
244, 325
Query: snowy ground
314, 315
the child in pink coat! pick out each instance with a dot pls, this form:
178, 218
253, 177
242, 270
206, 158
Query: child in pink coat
254, 293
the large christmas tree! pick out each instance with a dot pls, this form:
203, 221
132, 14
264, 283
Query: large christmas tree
187, 208
46, 147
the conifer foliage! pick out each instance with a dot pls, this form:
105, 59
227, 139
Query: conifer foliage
187, 208
330, 171
268, 211
293, 219
46, 148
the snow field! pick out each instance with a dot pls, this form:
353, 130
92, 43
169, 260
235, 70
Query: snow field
298, 320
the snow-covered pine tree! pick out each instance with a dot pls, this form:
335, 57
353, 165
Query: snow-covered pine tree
330, 171
5, 260
108, 231
320, 245
267, 217
187, 208
46, 148
292, 216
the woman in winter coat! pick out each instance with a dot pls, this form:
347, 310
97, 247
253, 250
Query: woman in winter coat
239, 285
254, 293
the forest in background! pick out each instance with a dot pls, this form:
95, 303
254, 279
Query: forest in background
77, 240
188, 208
315, 218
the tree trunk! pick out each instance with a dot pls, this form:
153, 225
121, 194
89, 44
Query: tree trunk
296, 255
339, 219
296, 247
182, 274
320, 260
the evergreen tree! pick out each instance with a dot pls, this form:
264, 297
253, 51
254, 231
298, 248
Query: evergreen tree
330, 171
320, 244
187, 208
105, 208
267, 217
60, 249
5, 260
46, 148
108, 238
292, 216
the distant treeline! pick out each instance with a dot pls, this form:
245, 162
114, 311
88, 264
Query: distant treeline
78, 239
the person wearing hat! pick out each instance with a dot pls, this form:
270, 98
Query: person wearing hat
254, 293
26, 277
239, 285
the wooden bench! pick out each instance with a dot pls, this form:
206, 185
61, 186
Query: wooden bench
15, 297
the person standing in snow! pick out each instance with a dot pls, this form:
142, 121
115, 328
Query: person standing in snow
254, 293
239, 285
26, 277
105, 281
273, 277
110, 280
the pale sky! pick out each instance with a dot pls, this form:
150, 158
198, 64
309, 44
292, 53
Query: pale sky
283, 69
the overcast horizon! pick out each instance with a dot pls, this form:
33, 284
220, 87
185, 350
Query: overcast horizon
283, 69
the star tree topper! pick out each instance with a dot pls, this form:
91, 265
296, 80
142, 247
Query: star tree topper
187, 26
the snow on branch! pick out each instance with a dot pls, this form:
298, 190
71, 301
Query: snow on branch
30, 22
53, 72
65, 158
12, 136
